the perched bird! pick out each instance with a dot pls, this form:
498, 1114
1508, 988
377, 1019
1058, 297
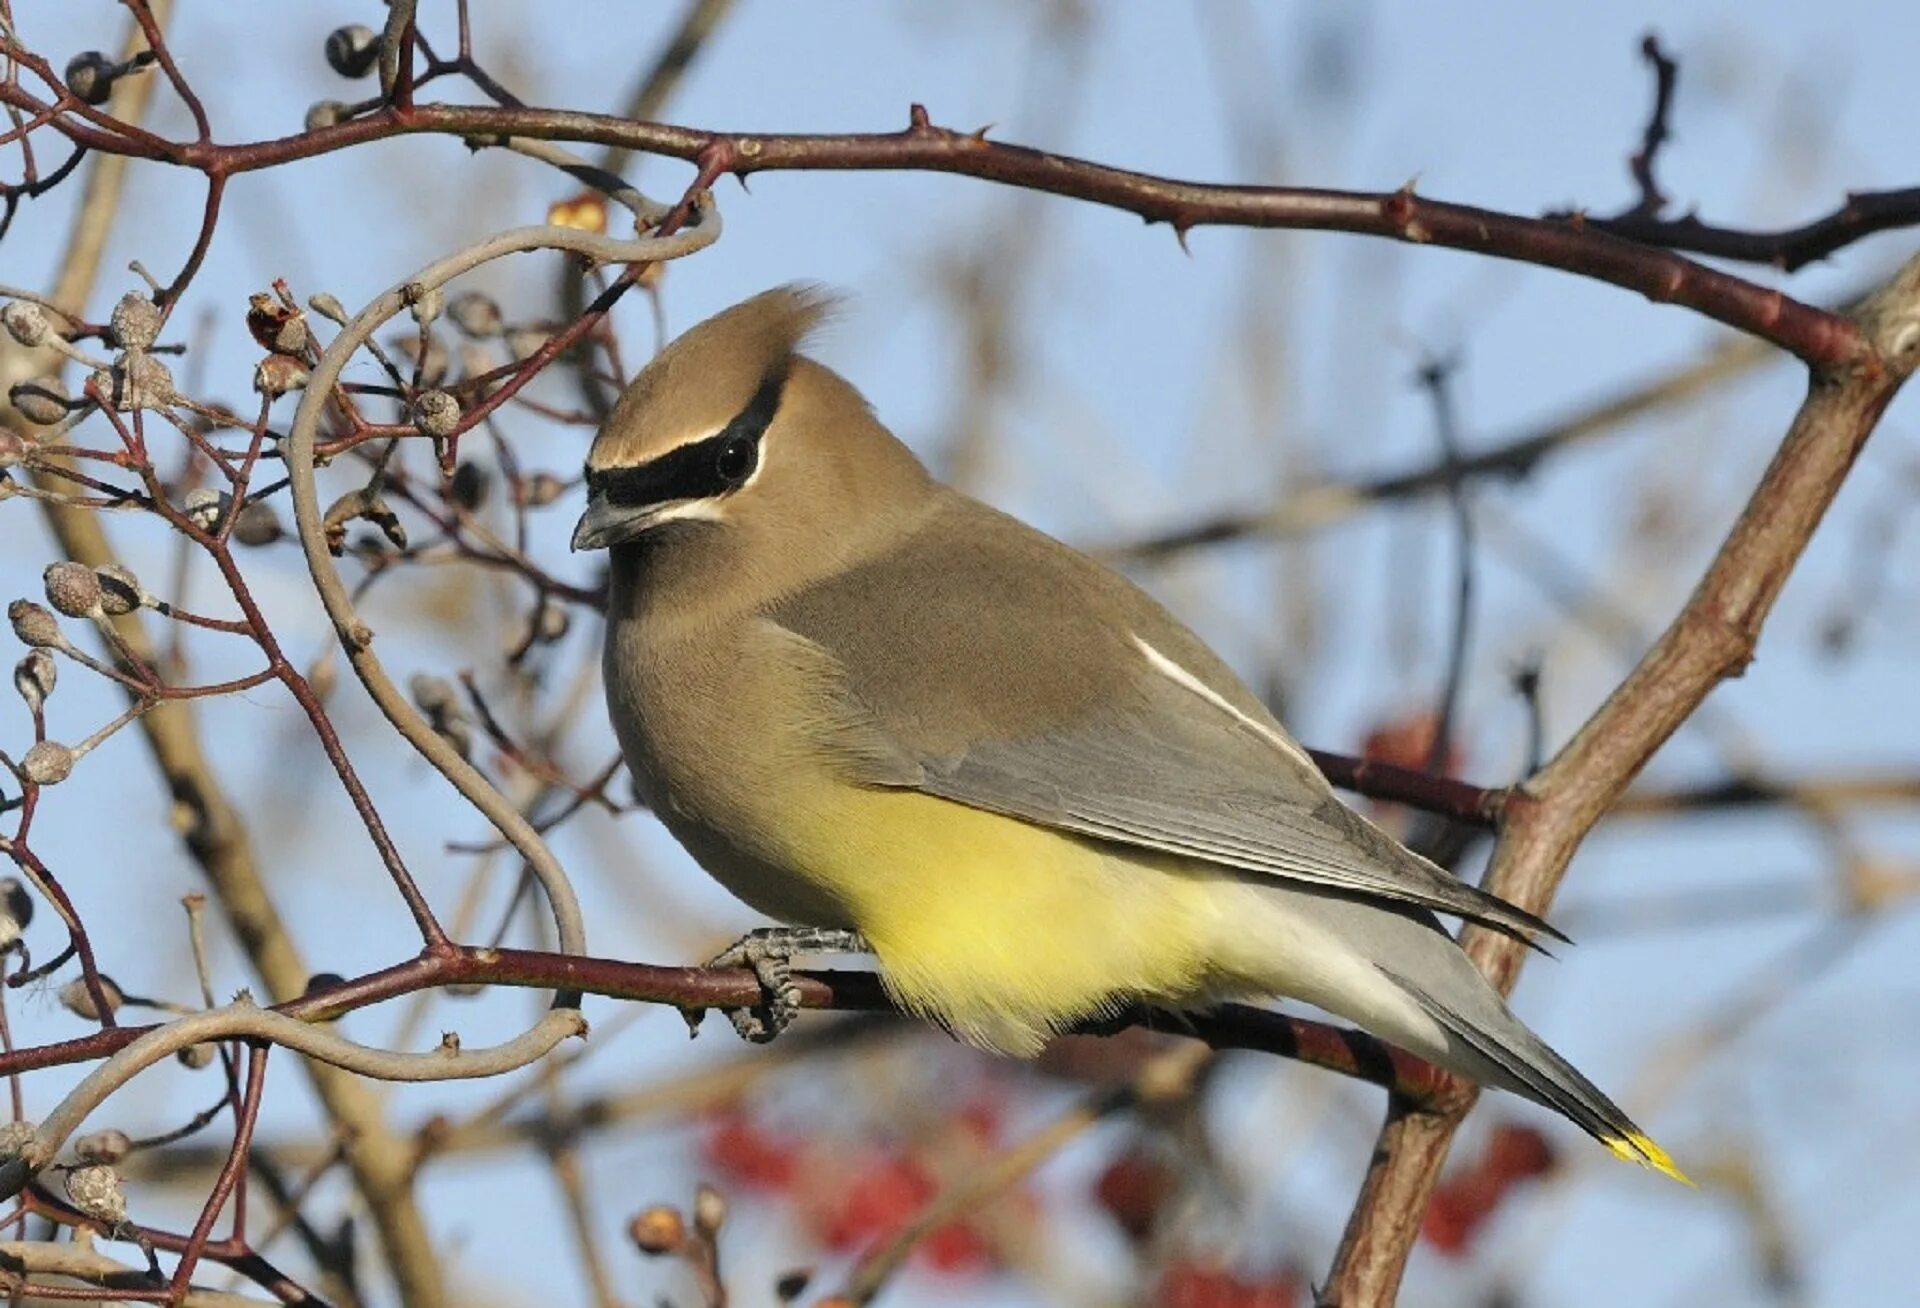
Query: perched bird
891, 717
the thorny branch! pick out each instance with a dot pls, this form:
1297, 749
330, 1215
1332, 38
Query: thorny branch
1547, 817
224, 497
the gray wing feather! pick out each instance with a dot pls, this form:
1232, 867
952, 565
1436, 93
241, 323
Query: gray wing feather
1210, 791
990, 665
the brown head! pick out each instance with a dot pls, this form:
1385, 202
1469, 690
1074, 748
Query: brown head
731, 444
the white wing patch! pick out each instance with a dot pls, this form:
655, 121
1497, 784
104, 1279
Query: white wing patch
1173, 672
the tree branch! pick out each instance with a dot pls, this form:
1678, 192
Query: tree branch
1546, 818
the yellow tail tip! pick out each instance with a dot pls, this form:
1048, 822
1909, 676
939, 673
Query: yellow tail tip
1638, 1148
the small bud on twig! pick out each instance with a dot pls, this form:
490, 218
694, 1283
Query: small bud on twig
195, 1057
709, 1212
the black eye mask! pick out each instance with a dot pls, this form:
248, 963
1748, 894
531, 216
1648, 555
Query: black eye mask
702, 470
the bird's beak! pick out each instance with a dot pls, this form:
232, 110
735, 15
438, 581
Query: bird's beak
605, 524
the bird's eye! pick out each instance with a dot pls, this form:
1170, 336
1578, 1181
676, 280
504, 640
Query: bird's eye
735, 460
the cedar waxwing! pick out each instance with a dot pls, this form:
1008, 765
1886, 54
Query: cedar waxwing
881, 711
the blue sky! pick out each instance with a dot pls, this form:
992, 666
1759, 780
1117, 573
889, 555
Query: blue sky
1135, 406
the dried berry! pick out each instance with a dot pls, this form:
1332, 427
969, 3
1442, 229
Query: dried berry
525, 341
277, 325
476, 315
95, 1191
353, 50
35, 677
90, 76
204, 507
72, 588
78, 1000
42, 401
34, 625
258, 524
104, 1147
431, 362
436, 413
469, 488
279, 374
48, 763
120, 590
135, 322
15, 1137
135, 381
26, 322
322, 114
551, 624
541, 489
16, 909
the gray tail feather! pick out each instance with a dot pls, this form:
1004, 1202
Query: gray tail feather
1525, 1064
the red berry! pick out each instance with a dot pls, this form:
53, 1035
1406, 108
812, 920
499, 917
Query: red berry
1517, 1152
747, 1155
1133, 1188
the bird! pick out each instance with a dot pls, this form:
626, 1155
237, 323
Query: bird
894, 719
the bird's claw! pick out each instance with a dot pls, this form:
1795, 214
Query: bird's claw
769, 953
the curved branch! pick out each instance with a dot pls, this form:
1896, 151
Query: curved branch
1548, 816
244, 1020
355, 637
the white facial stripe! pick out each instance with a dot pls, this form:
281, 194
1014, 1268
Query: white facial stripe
693, 510
1173, 672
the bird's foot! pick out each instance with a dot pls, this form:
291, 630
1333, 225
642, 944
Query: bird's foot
770, 952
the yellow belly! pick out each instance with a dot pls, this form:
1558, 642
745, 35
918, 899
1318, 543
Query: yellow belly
1004, 931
